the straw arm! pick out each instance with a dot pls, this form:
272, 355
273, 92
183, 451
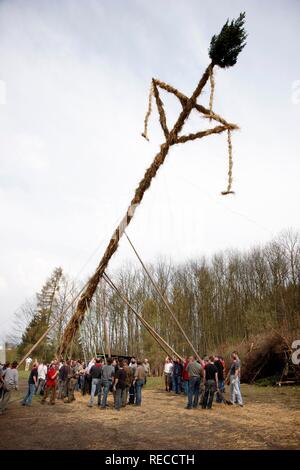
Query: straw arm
199, 135
162, 115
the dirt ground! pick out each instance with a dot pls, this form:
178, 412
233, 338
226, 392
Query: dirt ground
270, 419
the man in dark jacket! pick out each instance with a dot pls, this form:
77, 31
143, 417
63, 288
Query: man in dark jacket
176, 376
63, 380
96, 374
210, 379
119, 385
32, 386
220, 365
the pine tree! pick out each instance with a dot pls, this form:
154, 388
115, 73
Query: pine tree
226, 46
46, 305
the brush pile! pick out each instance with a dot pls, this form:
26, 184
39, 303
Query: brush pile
270, 357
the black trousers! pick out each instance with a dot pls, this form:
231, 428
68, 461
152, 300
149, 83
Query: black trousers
210, 389
131, 394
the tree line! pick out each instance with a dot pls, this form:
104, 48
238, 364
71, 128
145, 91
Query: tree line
218, 300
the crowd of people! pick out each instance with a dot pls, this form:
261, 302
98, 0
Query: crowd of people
60, 379
199, 379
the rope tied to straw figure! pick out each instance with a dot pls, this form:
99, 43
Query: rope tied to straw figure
212, 90
149, 110
230, 165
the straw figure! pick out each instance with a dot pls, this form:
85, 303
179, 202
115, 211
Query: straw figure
223, 52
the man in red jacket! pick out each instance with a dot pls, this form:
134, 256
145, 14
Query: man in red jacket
185, 376
50, 384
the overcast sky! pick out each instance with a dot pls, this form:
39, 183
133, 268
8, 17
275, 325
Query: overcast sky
74, 84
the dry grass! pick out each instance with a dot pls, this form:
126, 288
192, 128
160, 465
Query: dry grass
269, 420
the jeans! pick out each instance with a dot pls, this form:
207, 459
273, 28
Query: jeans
235, 392
210, 388
27, 400
176, 380
186, 387
138, 399
220, 395
119, 398
96, 388
193, 394
41, 386
106, 385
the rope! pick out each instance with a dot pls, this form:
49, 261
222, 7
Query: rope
165, 302
162, 343
212, 89
149, 110
230, 165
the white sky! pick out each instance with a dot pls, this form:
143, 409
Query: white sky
74, 84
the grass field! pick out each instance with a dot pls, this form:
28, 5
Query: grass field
269, 420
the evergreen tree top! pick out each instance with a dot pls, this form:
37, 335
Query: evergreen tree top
226, 46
